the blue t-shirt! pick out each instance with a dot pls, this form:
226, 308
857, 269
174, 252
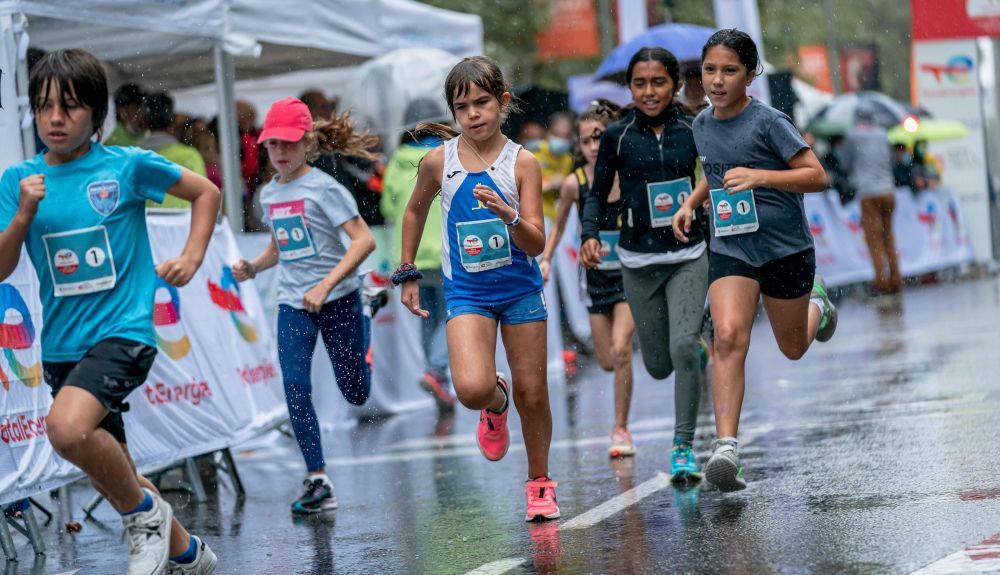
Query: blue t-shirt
89, 245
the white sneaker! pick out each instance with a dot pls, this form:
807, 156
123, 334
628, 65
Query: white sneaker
148, 534
203, 564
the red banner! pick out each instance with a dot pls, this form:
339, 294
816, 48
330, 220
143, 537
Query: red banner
948, 19
571, 33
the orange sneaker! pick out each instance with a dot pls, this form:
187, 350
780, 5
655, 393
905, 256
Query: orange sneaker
621, 443
492, 435
541, 493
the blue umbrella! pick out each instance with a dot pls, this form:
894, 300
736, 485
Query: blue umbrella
685, 41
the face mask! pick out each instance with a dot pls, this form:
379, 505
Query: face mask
559, 146
533, 145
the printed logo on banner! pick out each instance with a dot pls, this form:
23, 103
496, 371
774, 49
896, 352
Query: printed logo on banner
817, 228
226, 295
17, 332
956, 71
103, 196
165, 315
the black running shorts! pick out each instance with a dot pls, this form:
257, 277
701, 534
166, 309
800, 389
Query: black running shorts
110, 371
789, 277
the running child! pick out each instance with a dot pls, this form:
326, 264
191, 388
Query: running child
651, 151
492, 229
79, 209
611, 320
757, 168
320, 240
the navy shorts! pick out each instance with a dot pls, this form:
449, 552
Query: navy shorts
789, 277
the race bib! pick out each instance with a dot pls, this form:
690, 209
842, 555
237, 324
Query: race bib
734, 213
609, 251
665, 198
292, 238
483, 245
80, 261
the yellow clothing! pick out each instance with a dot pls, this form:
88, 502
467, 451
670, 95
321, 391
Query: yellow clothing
555, 168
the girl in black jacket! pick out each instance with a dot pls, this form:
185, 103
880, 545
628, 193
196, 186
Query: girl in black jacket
652, 152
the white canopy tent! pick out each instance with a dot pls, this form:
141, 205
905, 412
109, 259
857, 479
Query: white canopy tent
173, 45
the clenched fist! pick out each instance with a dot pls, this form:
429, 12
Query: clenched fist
32, 192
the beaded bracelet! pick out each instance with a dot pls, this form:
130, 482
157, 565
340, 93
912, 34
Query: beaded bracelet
404, 273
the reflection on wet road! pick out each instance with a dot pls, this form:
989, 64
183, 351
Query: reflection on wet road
876, 453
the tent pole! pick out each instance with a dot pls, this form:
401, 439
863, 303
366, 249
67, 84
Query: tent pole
229, 143
28, 133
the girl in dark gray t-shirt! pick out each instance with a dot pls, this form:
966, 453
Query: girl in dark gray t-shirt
756, 169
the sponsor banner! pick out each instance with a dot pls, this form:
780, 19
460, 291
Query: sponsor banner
947, 86
215, 381
10, 122
571, 32
929, 229
939, 20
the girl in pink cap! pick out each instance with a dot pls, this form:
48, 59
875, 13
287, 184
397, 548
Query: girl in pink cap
311, 216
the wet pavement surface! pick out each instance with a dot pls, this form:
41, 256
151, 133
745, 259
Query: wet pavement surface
876, 453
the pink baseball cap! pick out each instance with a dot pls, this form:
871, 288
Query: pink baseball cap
287, 120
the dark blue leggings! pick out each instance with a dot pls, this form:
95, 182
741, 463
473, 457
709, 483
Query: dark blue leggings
346, 335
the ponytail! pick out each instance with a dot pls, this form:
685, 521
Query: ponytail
337, 135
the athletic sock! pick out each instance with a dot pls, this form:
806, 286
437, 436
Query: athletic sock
188, 556
322, 477
818, 302
146, 505
730, 441
506, 400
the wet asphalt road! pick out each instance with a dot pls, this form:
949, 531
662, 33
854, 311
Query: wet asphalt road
876, 453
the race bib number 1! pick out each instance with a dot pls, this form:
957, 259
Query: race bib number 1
734, 213
665, 198
292, 238
609, 251
483, 245
80, 261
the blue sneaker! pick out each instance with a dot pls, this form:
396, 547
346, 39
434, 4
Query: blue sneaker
683, 467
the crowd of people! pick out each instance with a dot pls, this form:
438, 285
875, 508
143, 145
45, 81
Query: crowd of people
677, 207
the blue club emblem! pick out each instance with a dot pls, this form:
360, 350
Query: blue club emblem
103, 196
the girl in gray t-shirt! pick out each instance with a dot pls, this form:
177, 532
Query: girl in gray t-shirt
319, 240
757, 167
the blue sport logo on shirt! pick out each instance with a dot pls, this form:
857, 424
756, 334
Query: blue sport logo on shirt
103, 196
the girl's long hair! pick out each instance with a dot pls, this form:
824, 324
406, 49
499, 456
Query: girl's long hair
337, 135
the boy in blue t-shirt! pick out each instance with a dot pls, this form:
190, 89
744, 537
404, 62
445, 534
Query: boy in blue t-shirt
79, 210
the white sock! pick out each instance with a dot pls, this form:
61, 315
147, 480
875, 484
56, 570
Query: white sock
731, 441
818, 302
322, 477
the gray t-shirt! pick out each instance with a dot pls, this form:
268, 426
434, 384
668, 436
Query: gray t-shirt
305, 217
867, 158
762, 138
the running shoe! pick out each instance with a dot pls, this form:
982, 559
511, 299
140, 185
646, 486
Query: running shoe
433, 382
704, 354
542, 505
683, 465
318, 497
375, 298
723, 468
148, 535
492, 435
621, 443
828, 322
204, 562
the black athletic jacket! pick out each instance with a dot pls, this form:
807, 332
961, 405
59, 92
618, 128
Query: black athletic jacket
633, 152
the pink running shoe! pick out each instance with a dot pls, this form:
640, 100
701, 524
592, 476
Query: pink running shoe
621, 443
542, 505
492, 435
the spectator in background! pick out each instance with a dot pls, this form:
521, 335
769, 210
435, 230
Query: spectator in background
867, 158
531, 135
555, 156
692, 98
902, 167
158, 117
246, 121
128, 117
400, 177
